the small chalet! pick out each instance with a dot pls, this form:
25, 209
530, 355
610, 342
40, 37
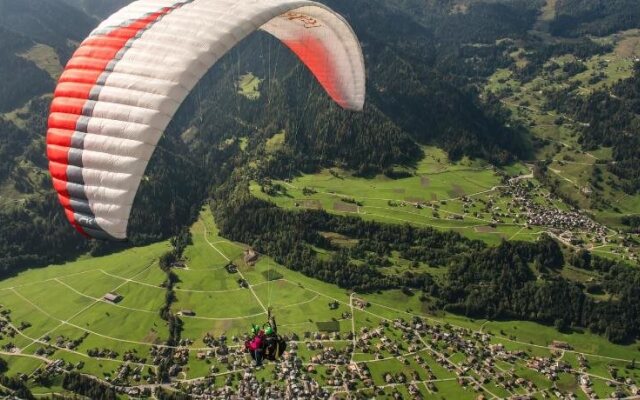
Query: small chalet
112, 298
250, 256
188, 313
561, 345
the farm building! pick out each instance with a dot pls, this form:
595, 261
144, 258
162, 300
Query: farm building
250, 256
112, 297
188, 313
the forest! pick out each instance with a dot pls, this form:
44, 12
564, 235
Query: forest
16, 72
576, 18
88, 387
500, 284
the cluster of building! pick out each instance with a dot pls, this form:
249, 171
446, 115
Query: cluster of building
526, 207
322, 364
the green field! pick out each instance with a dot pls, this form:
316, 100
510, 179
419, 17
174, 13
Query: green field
467, 197
433, 196
45, 58
249, 86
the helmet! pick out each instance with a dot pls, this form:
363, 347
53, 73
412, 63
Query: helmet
255, 329
268, 330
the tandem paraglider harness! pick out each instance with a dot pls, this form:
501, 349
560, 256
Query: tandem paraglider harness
266, 343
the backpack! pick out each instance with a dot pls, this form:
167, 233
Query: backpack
274, 347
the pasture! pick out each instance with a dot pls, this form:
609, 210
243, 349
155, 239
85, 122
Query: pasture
249, 86
433, 196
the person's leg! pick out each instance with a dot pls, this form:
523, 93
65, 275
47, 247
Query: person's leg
258, 357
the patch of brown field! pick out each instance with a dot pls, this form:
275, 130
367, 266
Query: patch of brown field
344, 207
152, 337
221, 326
460, 8
425, 181
333, 236
414, 199
485, 229
313, 204
339, 240
399, 190
629, 47
549, 10
456, 191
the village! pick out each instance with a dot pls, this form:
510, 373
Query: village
323, 365
520, 202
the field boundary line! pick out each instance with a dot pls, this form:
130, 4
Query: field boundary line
176, 289
63, 349
297, 304
204, 225
224, 319
48, 280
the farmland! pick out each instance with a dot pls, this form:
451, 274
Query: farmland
432, 196
249, 86
468, 197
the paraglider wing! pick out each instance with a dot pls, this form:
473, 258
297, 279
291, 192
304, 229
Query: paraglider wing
125, 82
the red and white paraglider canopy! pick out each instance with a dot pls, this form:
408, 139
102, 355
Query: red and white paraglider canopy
126, 81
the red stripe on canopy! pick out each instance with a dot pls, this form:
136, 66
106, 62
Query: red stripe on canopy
81, 75
313, 53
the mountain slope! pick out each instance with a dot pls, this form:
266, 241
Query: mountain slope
595, 17
53, 23
98, 8
21, 79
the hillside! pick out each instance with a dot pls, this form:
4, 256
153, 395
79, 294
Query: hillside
595, 17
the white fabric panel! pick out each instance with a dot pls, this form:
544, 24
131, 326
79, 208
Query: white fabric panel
121, 147
166, 62
164, 104
157, 70
137, 115
106, 162
124, 130
161, 87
